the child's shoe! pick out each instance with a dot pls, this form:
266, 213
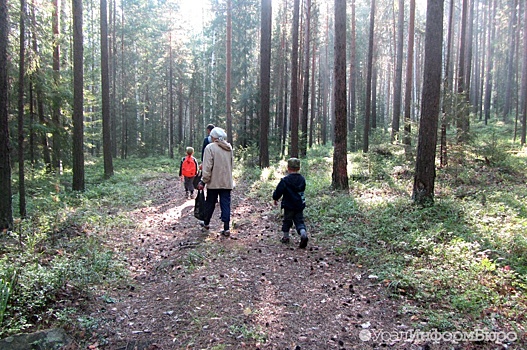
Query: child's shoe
285, 240
203, 226
303, 238
225, 233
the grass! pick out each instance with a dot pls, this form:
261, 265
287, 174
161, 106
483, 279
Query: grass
59, 250
459, 264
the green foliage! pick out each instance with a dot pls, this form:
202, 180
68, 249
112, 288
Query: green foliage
460, 257
59, 249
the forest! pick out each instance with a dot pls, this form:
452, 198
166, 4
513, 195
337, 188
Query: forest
409, 117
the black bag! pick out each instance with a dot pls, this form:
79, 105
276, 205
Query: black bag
199, 206
196, 180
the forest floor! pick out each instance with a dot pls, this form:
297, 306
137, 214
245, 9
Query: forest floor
196, 290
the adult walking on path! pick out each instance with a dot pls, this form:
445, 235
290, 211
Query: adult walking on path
217, 168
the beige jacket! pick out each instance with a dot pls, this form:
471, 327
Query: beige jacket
217, 165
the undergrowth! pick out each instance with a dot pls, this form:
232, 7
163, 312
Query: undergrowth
58, 253
462, 262
458, 264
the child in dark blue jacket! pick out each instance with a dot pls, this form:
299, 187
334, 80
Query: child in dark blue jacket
291, 189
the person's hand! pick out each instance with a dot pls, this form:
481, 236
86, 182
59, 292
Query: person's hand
201, 186
181, 178
201, 167
275, 202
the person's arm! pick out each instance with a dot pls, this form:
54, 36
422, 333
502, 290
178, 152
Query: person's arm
206, 166
197, 166
279, 191
180, 167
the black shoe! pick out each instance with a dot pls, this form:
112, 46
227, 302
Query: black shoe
303, 240
285, 240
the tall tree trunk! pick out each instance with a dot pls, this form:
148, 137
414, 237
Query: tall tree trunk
228, 73
353, 74
265, 80
424, 178
113, 72
171, 102
6, 201
409, 81
510, 62
313, 97
305, 99
462, 113
39, 98
105, 82
57, 162
367, 114
294, 110
21, 73
524, 81
397, 95
490, 61
339, 176
447, 93
78, 98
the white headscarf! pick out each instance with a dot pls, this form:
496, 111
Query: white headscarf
218, 133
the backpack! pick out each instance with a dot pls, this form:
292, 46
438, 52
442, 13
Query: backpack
188, 167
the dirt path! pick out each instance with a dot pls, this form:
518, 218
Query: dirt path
193, 290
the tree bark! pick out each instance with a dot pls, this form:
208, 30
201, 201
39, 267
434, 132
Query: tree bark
105, 82
228, 73
462, 113
524, 82
21, 73
409, 80
490, 61
294, 110
265, 80
78, 98
6, 201
305, 99
353, 74
423, 188
340, 153
397, 95
56, 145
367, 114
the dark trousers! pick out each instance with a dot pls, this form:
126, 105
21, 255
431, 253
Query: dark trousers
293, 217
225, 205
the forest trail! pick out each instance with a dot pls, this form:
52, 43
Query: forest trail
195, 290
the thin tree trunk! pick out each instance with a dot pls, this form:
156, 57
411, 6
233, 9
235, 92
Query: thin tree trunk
353, 73
228, 73
21, 72
524, 81
510, 63
367, 114
462, 117
409, 80
57, 163
105, 82
397, 94
294, 110
171, 103
78, 99
6, 200
313, 97
490, 61
305, 100
265, 80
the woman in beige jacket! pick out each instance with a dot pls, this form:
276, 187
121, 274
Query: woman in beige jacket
217, 168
